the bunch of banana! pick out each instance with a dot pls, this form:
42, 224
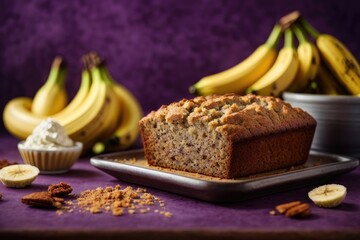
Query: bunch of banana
239, 77
271, 72
282, 73
96, 113
127, 130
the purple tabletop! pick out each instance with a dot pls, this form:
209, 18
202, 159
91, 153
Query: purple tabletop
190, 218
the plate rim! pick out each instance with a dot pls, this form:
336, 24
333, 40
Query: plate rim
214, 190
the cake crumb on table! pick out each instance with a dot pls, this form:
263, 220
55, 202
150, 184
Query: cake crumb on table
116, 200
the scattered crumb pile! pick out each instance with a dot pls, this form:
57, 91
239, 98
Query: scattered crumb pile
116, 200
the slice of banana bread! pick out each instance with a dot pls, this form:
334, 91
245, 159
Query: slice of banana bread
227, 136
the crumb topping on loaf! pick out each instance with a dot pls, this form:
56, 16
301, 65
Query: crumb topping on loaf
238, 116
227, 135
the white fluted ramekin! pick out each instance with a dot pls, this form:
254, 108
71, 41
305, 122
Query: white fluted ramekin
51, 161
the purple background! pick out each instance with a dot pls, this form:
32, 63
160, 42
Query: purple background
155, 48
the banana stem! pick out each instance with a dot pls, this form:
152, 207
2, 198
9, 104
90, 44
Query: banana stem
106, 74
289, 39
95, 74
299, 34
85, 78
192, 90
274, 36
309, 28
62, 76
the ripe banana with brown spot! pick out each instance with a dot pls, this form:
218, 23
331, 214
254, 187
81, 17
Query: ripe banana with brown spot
52, 96
127, 131
239, 77
327, 84
281, 74
114, 113
337, 57
90, 120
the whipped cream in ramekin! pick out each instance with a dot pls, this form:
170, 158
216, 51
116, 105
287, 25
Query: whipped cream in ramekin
49, 134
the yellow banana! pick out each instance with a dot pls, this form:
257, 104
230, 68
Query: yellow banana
241, 76
309, 62
127, 131
88, 122
337, 57
327, 83
102, 125
51, 97
18, 118
94, 100
79, 96
281, 74
114, 115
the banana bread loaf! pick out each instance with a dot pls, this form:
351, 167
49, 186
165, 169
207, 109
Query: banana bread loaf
227, 136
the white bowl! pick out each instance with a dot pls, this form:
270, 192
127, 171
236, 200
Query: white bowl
338, 121
51, 161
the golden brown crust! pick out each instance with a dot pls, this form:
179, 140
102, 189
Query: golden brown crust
230, 112
186, 135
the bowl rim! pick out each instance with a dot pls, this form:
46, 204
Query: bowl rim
77, 147
318, 98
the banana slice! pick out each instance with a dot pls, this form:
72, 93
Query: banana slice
328, 196
19, 175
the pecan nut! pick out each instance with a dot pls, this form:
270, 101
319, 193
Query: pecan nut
282, 208
302, 210
5, 163
294, 209
59, 190
42, 199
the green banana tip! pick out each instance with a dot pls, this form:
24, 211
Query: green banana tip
274, 36
98, 148
289, 38
193, 90
299, 33
250, 91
